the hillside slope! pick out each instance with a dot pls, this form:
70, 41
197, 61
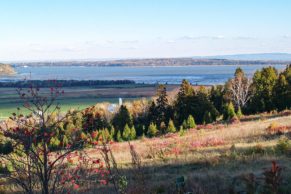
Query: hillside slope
6, 69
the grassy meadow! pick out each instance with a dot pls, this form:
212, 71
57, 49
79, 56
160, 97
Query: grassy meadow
210, 158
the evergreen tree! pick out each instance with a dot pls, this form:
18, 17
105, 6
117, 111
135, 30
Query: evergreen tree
132, 133
121, 118
199, 103
181, 107
126, 135
190, 122
207, 118
229, 112
282, 90
171, 127
162, 107
112, 132
118, 137
152, 130
152, 113
181, 131
217, 97
263, 84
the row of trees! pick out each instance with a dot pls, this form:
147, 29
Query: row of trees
267, 90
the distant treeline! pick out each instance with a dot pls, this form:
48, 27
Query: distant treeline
152, 62
63, 83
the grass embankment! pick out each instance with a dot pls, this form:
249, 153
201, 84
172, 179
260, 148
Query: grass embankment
210, 158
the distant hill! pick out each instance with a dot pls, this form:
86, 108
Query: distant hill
256, 56
6, 69
219, 60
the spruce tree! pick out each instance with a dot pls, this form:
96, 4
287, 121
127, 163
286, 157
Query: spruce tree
162, 104
132, 133
229, 112
191, 122
182, 109
207, 118
121, 118
126, 135
171, 127
152, 130
118, 137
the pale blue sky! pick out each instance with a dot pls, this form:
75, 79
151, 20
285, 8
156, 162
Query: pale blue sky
98, 29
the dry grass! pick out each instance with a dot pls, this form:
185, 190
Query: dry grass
218, 154
209, 158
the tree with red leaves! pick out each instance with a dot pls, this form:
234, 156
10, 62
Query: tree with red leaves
34, 164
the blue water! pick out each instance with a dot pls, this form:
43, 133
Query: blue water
203, 74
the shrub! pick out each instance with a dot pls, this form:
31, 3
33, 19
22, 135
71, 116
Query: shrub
152, 130
54, 143
171, 127
273, 179
163, 127
6, 148
275, 128
257, 149
283, 146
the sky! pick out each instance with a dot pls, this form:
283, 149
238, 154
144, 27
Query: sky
35, 30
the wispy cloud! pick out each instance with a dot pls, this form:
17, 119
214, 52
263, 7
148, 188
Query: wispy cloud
244, 38
187, 37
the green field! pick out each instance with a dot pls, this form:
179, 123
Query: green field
8, 107
80, 97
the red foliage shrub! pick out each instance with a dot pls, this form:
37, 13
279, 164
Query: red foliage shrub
208, 142
275, 128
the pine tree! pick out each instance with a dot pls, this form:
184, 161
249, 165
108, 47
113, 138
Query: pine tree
181, 131
118, 137
105, 135
126, 133
207, 118
182, 109
171, 127
152, 130
132, 133
162, 104
264, 81
281, 93
152, 113
229, 112
121, 118
191, 122
112, 132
